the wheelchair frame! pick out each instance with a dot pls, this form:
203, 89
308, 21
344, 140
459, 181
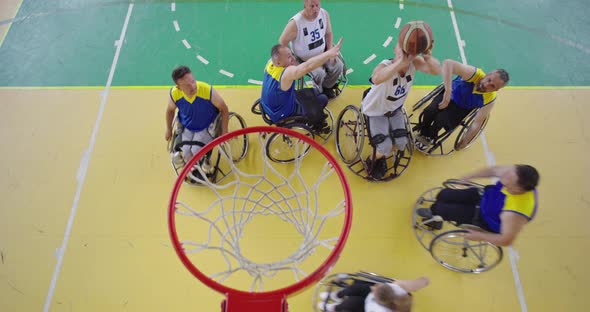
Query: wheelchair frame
298, 123
483, 256
439, 148
335, 282
175, 144
358, 128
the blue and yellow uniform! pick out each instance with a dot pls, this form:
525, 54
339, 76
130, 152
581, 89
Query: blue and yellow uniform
276, 103
198, 112
465, 94
496, 200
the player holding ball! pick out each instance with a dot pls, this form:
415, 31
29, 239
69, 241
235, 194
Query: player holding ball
390, 84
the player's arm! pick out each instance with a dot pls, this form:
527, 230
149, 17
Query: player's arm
170, 109
449, 69
413, 285
289, 33
383, 72
218, 102
512, 224
488, 172
293, 73
477, 123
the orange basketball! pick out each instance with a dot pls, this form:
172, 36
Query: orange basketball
415, 37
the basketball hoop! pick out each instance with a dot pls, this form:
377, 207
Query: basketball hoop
307, 201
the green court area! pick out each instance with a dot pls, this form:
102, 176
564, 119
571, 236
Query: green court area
71, 43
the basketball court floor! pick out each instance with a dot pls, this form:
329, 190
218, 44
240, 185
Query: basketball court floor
86, 176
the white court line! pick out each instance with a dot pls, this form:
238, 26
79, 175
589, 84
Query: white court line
398, 22
256, 82
188, 46
176, 27
83, 168
491, 160
173, 6
387, 41
202, 59
349, 71
401, 4
456, 27
226, 73
369, 59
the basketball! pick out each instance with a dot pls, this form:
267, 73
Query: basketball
415, 37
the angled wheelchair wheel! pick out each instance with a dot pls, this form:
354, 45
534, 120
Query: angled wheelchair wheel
282, 148
350, 134
424, 229
342, 79
326, 134
465, 125
256, 108
452, 250
238, 144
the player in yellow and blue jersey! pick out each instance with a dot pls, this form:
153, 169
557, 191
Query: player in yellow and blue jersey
471, 89
503, 209
198, 105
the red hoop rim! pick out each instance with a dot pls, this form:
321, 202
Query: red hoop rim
285, 291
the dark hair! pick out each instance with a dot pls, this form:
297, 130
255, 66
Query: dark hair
275, 51
179, 72
528, 177
503, 75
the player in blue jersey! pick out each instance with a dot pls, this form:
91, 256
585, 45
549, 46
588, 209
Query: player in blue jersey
198, 105
279, 98
471, 89
502, 209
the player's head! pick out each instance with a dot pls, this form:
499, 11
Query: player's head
311, 8
385, 296
184, 79
520, 179
282, 56
493, 81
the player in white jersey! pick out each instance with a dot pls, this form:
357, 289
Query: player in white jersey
390, 84
310, 34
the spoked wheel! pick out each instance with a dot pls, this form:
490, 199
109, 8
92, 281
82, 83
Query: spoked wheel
282, 148
350, 134
452, 250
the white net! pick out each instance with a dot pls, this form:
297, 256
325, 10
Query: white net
301, 195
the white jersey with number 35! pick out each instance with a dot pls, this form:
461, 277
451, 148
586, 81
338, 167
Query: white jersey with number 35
311, 36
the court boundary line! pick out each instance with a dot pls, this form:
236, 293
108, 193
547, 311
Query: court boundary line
491, 161
18, 88
11, 22
84, 162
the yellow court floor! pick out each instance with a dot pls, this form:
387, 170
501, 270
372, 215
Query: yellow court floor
118, 256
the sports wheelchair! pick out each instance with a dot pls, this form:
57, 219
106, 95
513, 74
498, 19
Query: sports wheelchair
307, 81
447, 141
238, 146
445, 240
357, 147
336, 282
280, 147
